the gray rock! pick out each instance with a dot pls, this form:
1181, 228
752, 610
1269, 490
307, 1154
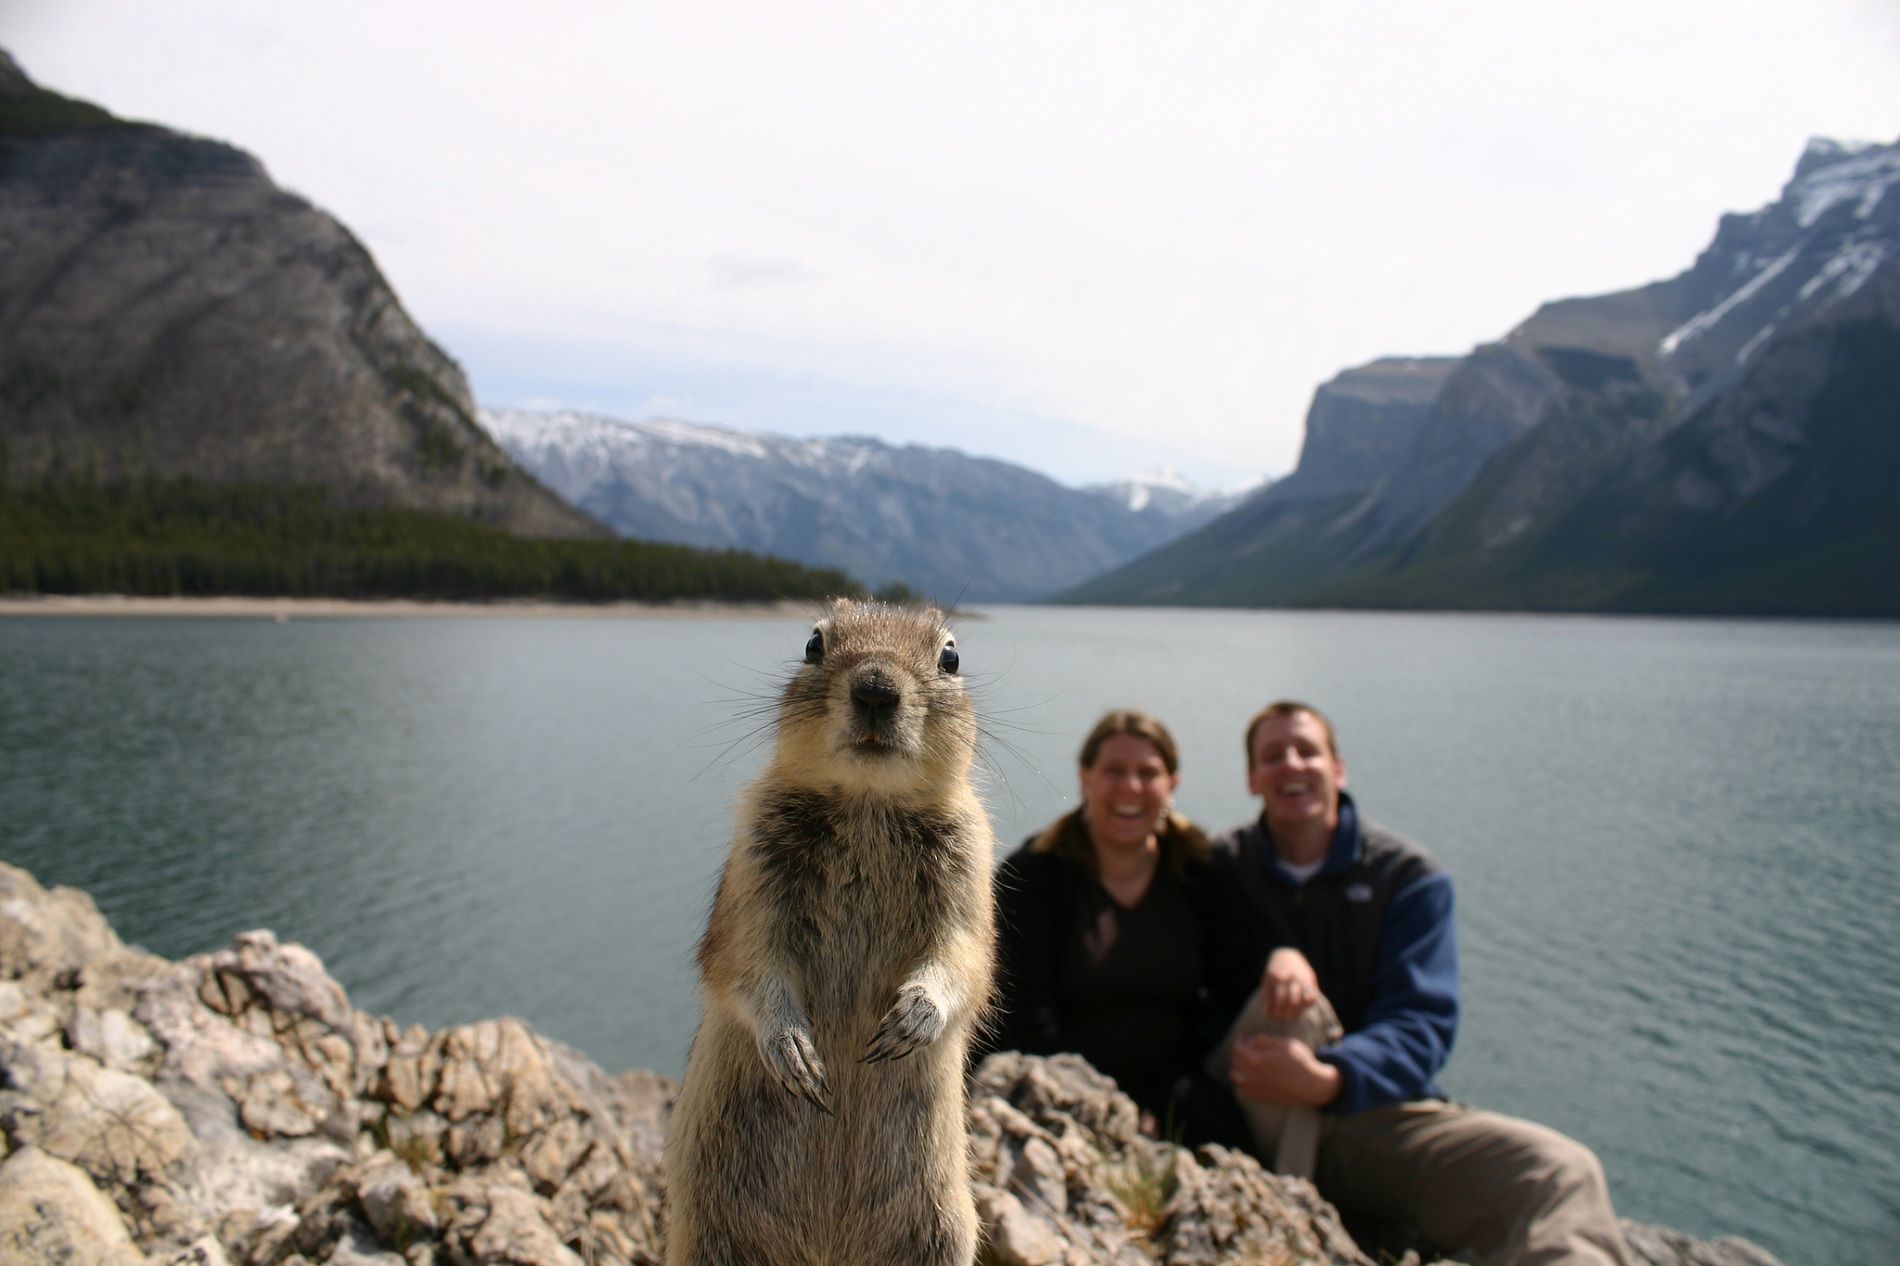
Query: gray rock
394, 1200
1057, 1144
1226, 1207
113, 1038
1017, 1237
358, 1248
27, 1016
115, 1126
48, 939
1660, 1246
253, 1104
511, 1226
204, 1252
277, 1126
51, 1214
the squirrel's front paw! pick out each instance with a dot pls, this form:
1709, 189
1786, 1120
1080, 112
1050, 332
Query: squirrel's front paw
793, 1062
914, 1020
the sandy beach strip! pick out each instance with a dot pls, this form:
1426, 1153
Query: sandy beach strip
285, 609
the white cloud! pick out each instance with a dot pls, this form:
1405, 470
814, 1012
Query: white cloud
1166, 223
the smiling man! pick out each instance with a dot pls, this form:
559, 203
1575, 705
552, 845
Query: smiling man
1335, 1059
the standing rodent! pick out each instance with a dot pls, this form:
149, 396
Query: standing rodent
846, 962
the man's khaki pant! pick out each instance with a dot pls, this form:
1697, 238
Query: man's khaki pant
1504, 1191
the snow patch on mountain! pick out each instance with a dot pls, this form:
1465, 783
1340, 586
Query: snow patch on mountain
1749, 348
703, 436
1863, 179
1703, 322
1149, 488
1851, 267
1828, 235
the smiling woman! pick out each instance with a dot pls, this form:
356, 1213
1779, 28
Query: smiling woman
1100, 946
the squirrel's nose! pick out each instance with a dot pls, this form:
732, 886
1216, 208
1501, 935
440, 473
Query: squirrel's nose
874, 695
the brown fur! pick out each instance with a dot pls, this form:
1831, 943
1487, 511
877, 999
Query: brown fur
846, 962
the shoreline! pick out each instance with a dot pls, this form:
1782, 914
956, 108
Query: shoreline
283, 610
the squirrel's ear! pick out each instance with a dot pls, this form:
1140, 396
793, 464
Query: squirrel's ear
842, 604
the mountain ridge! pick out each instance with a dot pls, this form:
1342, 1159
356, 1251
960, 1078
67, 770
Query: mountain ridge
1536, 442
167, 310
941, 521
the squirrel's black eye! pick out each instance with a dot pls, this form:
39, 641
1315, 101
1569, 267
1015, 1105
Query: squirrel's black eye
948, 659
815, 649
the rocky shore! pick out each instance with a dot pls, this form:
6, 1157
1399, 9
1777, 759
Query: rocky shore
233, 1109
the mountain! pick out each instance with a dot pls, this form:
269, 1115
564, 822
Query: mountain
1714, 442
1168, 495
947, 524
1362, 425
167, 311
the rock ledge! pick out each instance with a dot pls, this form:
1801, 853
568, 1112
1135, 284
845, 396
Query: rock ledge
233, 1109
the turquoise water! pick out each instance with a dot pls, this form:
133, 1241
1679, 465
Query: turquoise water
1677, 843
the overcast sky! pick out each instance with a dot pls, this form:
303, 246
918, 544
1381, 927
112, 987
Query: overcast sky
1094, 238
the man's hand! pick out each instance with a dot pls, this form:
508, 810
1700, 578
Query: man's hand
1289, 986
1282, 1070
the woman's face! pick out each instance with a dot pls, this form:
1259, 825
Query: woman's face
1125, 792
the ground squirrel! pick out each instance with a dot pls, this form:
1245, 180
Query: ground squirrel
846, 962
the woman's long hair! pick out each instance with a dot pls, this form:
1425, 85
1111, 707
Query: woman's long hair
1182, 843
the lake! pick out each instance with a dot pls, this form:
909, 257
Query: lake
1676, 843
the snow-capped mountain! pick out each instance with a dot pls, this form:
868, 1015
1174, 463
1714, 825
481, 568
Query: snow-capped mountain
1723, 440
1169, 494
943, 522
1836, 223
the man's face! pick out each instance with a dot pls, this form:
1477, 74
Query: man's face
1295, 772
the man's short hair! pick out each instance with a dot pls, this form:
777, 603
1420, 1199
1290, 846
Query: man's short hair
1287, 708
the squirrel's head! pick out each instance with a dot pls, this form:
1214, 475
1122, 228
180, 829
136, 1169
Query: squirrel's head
879, 703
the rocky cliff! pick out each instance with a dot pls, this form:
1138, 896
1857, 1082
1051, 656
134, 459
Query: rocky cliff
1362, 425
166, 309
1363, 434
233, 1109
1699, 444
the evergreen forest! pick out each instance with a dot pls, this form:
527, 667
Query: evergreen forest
182, 537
